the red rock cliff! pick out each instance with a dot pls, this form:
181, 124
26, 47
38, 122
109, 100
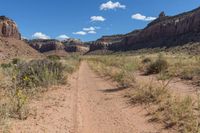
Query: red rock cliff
8, 28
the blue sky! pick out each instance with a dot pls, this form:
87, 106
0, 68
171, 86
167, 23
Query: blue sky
87, 19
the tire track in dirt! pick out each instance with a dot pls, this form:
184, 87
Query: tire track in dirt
74, 86
90, 104
102, 108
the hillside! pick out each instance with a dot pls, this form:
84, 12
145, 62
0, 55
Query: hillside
164, 32
11, 48
11, 44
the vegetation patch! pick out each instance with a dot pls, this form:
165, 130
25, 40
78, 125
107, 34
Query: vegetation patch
149, 94
115, 67
39, 73
21, 80
160, 65
53, 57
181, 113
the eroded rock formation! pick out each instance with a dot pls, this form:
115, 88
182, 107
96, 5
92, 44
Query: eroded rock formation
75, 45
8, 28
11, 45
165, 31
69, 45
46, 45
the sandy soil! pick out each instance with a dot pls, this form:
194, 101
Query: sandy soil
50, 114
89, 105
175, 85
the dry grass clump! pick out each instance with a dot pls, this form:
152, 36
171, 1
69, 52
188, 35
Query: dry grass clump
118, 69
54, 57
146, 60
184, 67
149, 94
181, 113
159, 65
71, 63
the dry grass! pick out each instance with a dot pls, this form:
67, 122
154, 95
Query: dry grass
149, 94
181, 113
183, 66
20, 81
117, 69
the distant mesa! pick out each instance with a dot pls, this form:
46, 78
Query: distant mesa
57, 47
75, 45
46, 45
164, 32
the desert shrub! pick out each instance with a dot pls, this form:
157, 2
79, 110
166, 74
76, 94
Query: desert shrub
6, 65
24, 80
69, 68
157, 66
146, 60
14, 106
123, 78
149, 94
53, 57
18, 104
187, 75
16, 61
38, 73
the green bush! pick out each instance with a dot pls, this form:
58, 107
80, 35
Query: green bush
39, 73
53, 57
15, 61
6, 65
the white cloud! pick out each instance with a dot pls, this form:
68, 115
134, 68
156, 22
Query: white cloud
139, 16
62, 37
80, 33
92, 32
40, 35
89, 29
111, 5
97, 18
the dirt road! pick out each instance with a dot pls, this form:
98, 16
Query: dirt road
101, 107
89, 105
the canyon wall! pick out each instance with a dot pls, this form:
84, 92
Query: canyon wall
165, 31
